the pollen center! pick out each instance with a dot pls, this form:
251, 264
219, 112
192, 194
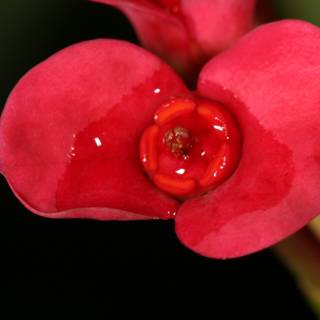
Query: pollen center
179, 142
193, 146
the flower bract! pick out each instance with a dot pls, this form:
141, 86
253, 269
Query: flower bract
71, 130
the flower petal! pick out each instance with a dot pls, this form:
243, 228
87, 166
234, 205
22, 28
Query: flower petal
70, 132
270, 81
215, 24
188, 34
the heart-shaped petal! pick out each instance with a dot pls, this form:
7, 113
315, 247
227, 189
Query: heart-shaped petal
70, 132
270, 81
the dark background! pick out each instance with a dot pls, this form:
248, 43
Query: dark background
117, 266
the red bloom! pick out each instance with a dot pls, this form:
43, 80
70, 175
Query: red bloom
187, 33
71, 130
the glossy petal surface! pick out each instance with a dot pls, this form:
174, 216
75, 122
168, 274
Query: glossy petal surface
70, 131
270, 81
191, 32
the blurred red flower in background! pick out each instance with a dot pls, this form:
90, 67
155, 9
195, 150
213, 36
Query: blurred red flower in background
187, 33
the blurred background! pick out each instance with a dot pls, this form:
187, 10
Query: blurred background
120, 266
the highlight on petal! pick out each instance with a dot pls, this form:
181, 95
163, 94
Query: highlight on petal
270, 82
187, 32
70, 132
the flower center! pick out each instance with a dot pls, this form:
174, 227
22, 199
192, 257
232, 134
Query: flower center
193, 146
179, 141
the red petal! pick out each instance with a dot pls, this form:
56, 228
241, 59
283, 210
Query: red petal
186, 37
70, 132
215, 24
270, 81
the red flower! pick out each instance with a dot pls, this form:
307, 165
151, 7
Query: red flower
187, 33
71, 129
